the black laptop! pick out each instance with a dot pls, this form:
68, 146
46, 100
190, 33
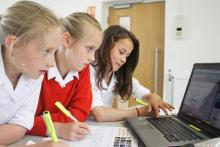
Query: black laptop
198, 118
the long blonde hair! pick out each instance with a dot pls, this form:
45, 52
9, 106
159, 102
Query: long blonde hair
26, 20
75, 24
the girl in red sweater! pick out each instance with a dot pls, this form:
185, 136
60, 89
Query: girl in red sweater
69, 81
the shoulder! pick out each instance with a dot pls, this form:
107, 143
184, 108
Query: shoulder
92, 69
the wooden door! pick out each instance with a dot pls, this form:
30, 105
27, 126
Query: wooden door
147, 23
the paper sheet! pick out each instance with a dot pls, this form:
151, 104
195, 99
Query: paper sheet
104, 136
30, 142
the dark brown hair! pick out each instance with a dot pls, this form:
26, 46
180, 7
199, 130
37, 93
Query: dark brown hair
124, 75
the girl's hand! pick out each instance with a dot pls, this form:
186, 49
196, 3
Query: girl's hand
156, 103
72, 131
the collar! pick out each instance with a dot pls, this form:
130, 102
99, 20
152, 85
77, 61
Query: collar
53, 72
111, 84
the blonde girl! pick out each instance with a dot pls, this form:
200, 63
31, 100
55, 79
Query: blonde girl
69, 81
29, 37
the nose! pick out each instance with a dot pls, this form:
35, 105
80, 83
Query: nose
51, 61
123, 59
91, 57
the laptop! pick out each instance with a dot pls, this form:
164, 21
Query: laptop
198, 118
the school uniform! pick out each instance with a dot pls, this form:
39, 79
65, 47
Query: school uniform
104, 97
18, 106
74, 92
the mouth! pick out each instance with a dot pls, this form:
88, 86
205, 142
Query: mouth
43, 72
118, 64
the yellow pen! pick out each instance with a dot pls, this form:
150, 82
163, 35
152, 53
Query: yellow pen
50, 126
141, 102
65, 111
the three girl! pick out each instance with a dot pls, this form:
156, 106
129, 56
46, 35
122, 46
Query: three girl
29, 39
112, 74
29, 36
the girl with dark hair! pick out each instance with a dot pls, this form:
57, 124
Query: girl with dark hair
112, 73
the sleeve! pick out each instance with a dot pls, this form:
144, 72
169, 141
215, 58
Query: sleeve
138, 90
25, 115
39, 127
96, 93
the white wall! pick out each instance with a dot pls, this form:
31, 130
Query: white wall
201, 42
62, 7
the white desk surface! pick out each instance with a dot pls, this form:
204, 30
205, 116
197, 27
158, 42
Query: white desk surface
92, 123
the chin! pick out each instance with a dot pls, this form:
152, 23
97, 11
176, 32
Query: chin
34, 76
115, 69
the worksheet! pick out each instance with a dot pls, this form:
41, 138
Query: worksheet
106, 136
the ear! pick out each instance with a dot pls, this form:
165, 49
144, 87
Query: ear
66, 39
10, 41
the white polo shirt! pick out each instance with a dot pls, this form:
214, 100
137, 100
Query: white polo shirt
105, 96
18, 106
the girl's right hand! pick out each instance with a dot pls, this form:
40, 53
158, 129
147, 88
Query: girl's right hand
72, 131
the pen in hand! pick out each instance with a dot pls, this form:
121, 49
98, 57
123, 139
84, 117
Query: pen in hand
141, 102
66, 112
50, 126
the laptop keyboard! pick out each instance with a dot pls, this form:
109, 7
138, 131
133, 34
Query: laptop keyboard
173, 130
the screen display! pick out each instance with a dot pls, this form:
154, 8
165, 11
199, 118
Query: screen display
202, 99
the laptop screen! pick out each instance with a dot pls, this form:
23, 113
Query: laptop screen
202, 96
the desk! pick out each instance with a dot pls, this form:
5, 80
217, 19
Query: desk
91, 123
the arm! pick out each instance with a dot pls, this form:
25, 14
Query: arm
102, 113
155, 101
11, 133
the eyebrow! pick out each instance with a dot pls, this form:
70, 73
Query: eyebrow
94, 46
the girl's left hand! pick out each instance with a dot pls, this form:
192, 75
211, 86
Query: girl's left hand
156, 103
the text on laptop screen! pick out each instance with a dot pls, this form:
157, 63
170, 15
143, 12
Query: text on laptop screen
202, 99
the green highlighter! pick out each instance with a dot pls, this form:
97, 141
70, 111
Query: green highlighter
141, 102
50, 127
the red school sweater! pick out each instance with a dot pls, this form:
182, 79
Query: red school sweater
76, 96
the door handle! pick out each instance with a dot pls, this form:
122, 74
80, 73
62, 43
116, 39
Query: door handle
155, 69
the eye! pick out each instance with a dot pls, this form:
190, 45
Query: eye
49, 51
90, 49
46, 51
121, 52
